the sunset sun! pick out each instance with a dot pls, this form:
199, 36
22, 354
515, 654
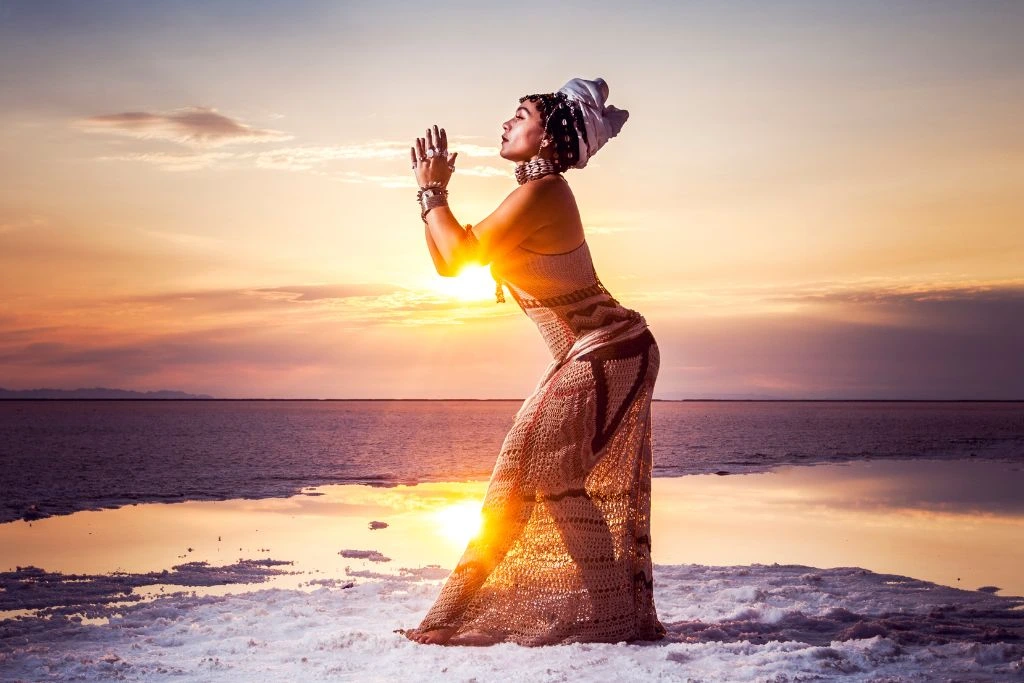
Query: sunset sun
473, 283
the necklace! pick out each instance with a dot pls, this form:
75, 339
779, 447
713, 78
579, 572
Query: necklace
535, 168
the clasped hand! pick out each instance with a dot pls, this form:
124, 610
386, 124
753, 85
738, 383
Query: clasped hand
437, 169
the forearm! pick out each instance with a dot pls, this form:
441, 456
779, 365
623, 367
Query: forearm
449, 237
440, 265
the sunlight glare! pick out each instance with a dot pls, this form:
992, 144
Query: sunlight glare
459, 522
473, 283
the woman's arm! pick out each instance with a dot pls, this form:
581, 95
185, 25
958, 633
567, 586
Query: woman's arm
439, 264
521, 214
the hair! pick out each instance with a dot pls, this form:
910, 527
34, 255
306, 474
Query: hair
563, 124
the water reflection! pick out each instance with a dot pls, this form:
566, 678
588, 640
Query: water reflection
957, 523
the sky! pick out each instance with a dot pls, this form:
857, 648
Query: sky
809, 200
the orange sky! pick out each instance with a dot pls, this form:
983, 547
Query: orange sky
808, 200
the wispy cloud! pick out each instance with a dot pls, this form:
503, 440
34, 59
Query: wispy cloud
906, 293
186, 240
391, 181
177, 162
321, 160
22, 223
351, 304
485, 171
342, 339
199, 126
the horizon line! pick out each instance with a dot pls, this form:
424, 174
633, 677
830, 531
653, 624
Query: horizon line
658, 400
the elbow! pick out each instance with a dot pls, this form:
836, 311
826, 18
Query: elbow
445, 269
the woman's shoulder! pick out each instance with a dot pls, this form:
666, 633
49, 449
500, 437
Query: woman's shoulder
561, 228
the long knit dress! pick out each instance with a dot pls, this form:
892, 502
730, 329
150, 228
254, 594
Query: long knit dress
564, 551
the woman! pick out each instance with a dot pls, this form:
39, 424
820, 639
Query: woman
563, 554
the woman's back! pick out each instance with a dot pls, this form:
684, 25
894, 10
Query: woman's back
562, 294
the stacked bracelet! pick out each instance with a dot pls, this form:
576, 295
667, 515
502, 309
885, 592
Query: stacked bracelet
431, 197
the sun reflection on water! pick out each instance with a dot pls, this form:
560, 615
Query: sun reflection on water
957, 523
459, 522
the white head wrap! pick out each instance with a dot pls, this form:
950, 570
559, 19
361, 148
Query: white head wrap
602, 123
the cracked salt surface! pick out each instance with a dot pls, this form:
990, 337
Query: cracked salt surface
738, 623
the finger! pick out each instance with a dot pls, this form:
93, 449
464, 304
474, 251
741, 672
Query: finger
444, 139
452, 162
430, 139
437, 137
412, 153
419, 147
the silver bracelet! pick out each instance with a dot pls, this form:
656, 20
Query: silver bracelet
431, 198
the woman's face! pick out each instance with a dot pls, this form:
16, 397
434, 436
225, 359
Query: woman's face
522, 134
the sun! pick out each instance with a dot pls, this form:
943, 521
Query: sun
459, 522
473, 283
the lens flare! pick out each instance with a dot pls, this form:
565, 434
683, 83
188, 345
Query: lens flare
473, 283
459, 522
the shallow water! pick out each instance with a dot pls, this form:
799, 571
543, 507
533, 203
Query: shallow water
956, 523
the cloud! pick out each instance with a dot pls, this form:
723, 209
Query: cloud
356, 305
316, 159
328, 358
204, 127
484, 171
926, 341
22, 223
937, 306
319, 292
304, 158
177, 162
250, 299
390, 181
181, 239
200, 126
940, 343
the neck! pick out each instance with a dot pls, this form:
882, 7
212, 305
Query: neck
535, 168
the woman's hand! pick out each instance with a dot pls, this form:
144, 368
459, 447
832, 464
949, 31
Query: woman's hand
437, 169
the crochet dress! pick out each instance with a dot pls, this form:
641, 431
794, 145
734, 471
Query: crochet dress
564, 551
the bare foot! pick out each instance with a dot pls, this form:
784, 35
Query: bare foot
435, 636
481, 638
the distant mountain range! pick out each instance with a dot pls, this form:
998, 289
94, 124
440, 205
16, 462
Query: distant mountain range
95, 392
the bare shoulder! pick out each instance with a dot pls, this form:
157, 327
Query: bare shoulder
532, 214
560, 227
